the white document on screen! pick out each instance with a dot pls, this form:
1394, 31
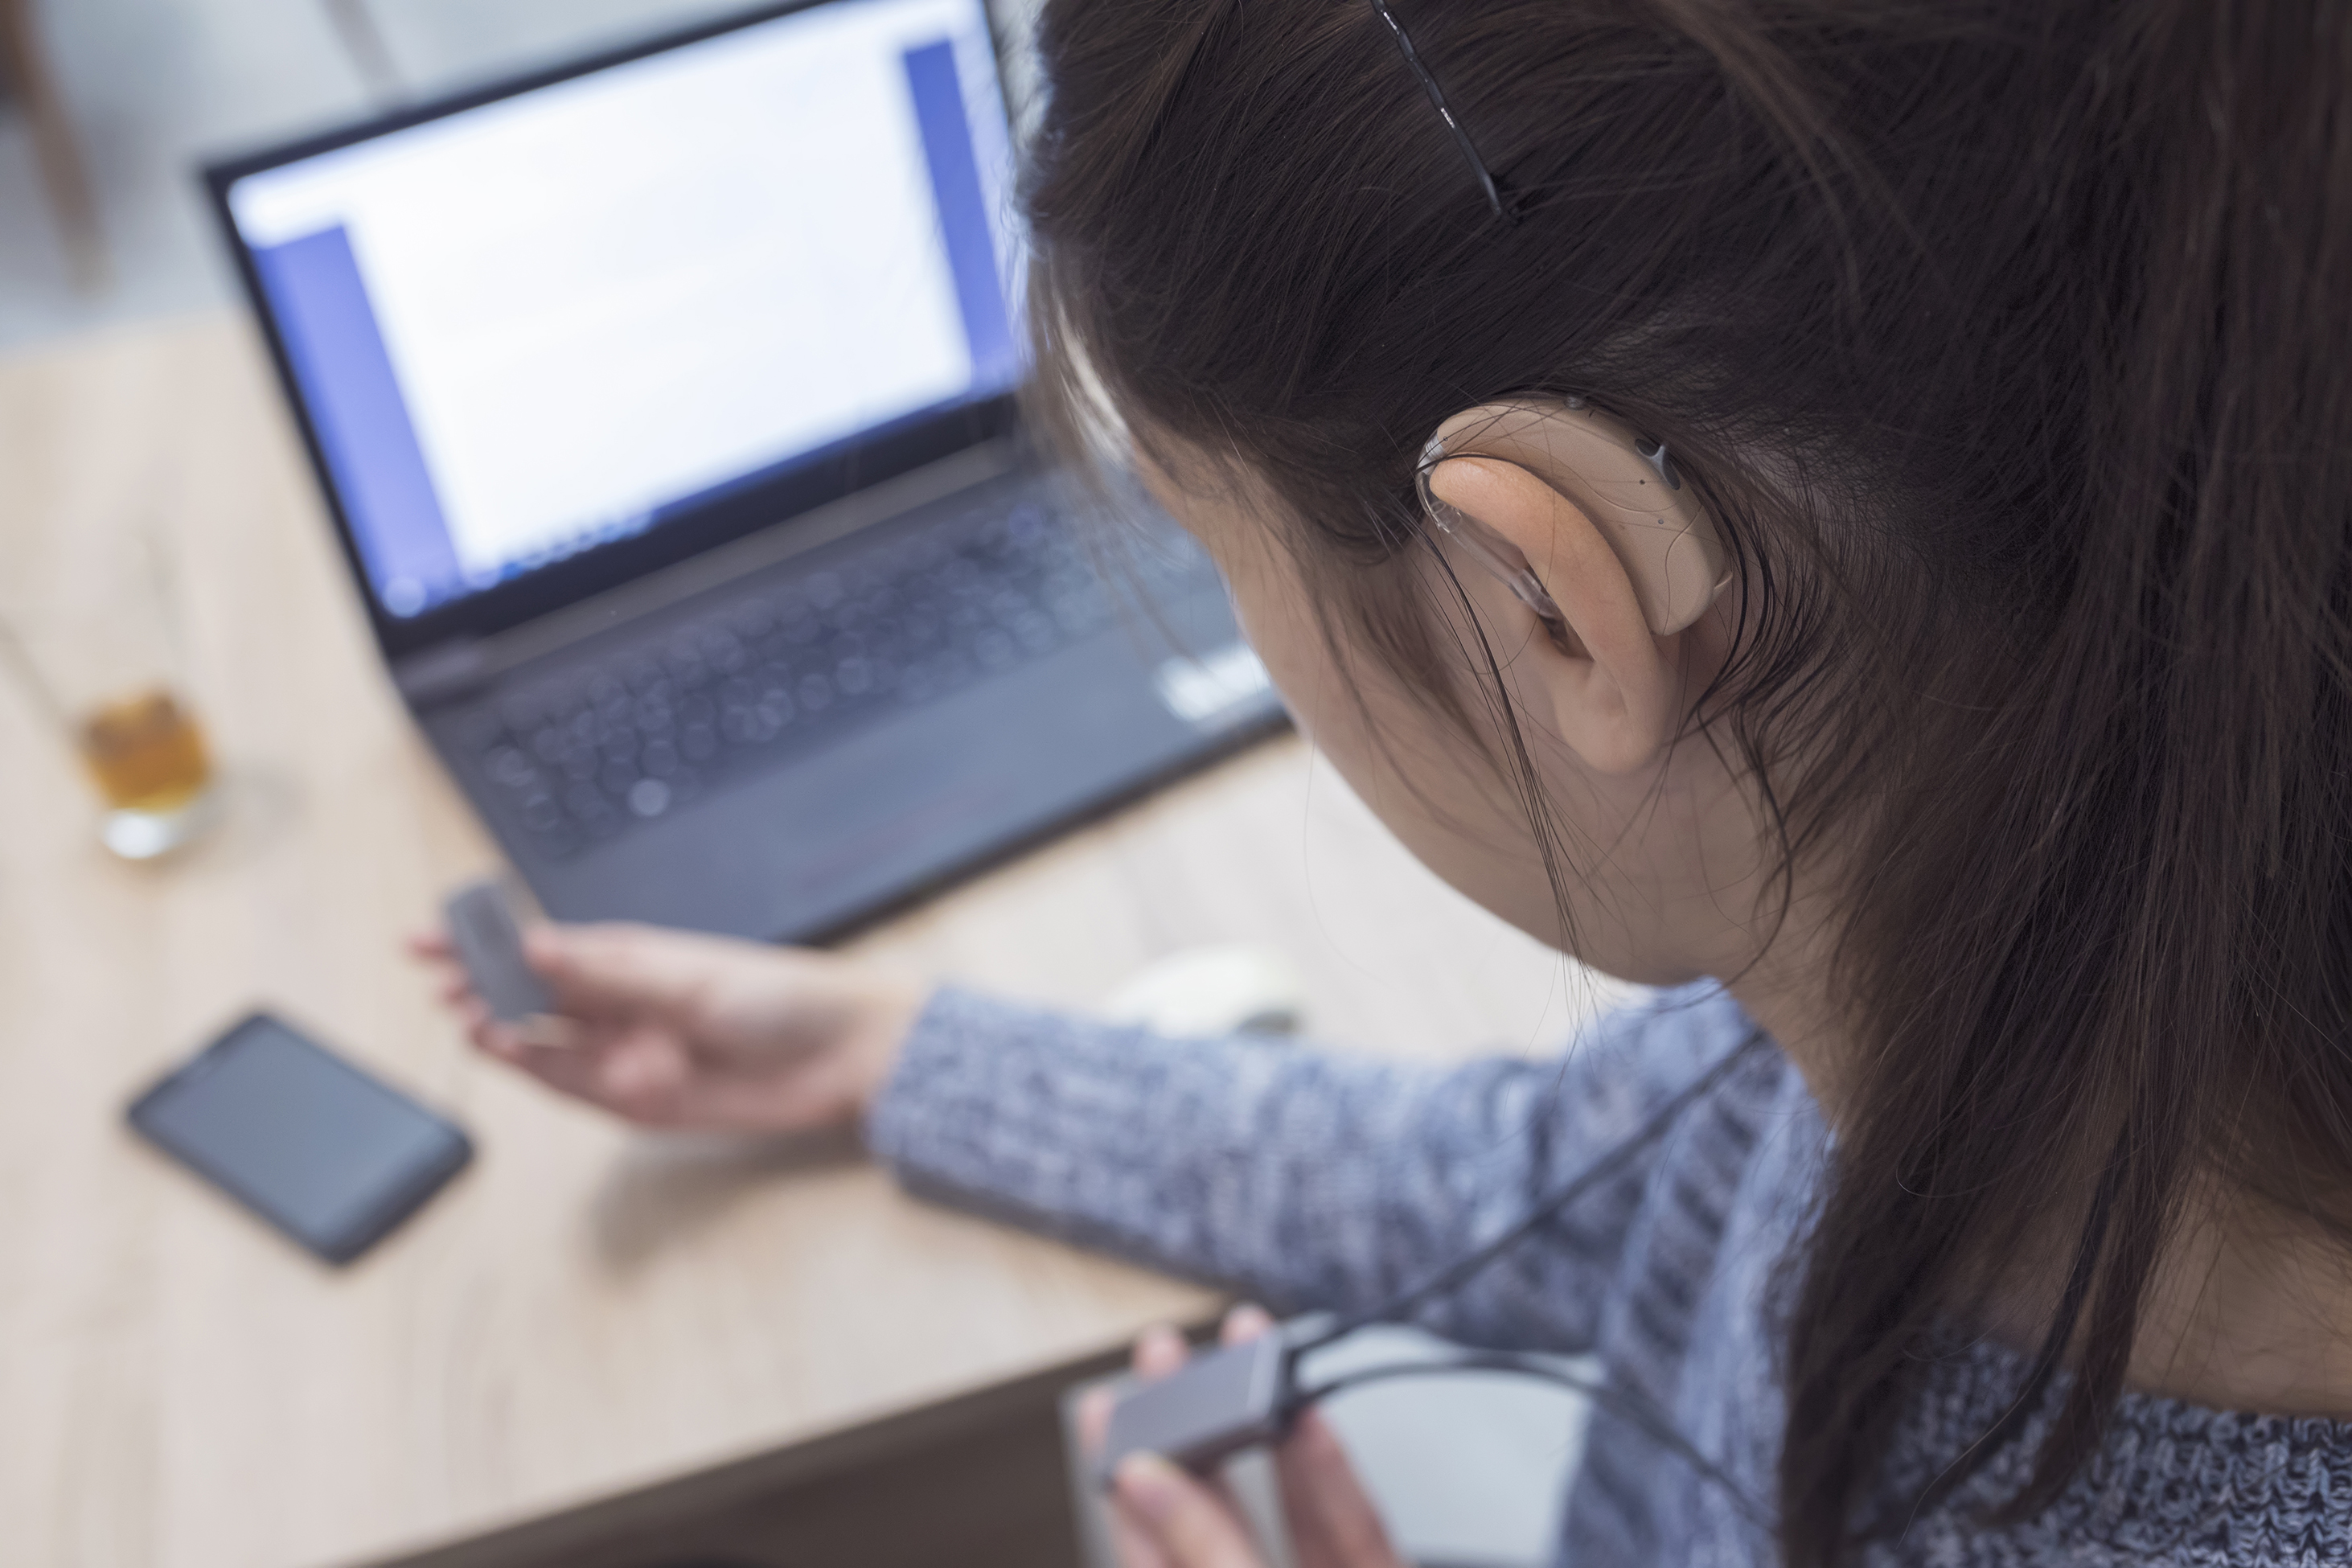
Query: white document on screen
603, 297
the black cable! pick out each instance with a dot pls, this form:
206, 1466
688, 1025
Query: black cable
1398, 1307
1632, 1409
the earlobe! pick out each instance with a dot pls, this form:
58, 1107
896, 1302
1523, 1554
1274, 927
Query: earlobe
1613, 695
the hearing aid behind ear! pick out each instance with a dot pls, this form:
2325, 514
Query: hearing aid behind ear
1625, 482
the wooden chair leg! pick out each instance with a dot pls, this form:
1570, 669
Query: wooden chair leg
54, 144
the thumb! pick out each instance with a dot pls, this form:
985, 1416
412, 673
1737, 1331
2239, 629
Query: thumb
601, 968
1191, 1527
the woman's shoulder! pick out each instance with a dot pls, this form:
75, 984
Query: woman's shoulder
2171, 1482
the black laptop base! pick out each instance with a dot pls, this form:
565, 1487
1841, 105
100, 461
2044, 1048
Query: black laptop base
801, 751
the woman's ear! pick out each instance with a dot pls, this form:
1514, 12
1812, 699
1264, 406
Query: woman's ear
1615, 696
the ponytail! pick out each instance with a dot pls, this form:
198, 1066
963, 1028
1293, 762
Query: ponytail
2138, 885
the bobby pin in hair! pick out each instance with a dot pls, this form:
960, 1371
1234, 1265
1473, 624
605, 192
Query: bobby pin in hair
1437, 97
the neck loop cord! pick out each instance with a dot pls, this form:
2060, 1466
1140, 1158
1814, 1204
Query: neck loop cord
1400, 1307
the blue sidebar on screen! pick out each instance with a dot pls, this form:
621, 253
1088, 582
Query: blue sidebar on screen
361, 423
964, 227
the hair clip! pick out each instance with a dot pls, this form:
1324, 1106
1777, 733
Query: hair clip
1437, 98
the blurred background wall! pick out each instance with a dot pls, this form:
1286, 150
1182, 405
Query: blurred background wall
146, 88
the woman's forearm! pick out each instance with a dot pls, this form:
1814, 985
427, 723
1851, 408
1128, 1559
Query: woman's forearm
1305, 1178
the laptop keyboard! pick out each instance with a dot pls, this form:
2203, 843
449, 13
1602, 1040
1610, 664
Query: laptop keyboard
651, 725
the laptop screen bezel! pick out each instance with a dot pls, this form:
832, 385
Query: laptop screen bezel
835, 472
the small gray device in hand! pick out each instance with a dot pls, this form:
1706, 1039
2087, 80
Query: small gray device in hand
482, 928
1214, 1407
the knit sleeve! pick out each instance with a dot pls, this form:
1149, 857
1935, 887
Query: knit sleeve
1303, 1178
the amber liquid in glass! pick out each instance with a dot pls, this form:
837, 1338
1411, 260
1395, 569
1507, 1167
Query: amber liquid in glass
146, 753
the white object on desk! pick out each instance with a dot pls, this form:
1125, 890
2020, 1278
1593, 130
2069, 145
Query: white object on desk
1224, 990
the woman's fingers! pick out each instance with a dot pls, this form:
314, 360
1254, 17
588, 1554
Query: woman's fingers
1187, 1525
1159, 1351
566, 1071
1333, 1523
561, 1058
1094, 1418
643, 1077
432, 949
636, 1076
1244, 1323
1129, 1545
619, 967
615, 1043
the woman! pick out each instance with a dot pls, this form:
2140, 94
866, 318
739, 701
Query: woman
1992, 819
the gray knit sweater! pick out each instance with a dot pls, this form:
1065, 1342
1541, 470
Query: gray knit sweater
1310, 1180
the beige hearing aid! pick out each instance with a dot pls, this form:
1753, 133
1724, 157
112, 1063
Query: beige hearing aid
1621, 479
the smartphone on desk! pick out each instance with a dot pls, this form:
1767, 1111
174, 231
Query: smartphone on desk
329, 1155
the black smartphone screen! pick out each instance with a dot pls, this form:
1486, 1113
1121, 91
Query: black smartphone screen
320, 1149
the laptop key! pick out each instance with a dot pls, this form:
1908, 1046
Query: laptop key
649, 798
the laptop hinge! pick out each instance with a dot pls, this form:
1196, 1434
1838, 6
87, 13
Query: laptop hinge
443, 672
463, 666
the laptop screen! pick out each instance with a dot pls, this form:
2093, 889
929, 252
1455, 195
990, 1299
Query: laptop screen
554, 319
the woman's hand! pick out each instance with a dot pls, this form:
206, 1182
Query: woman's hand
1163, 1517
672, 1029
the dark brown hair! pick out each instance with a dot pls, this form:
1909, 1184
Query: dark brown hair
2011, 340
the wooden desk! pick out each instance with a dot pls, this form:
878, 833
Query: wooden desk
589, 1310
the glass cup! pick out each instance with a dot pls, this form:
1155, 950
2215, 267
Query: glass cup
88, 631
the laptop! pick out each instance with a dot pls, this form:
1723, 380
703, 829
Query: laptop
665, 408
